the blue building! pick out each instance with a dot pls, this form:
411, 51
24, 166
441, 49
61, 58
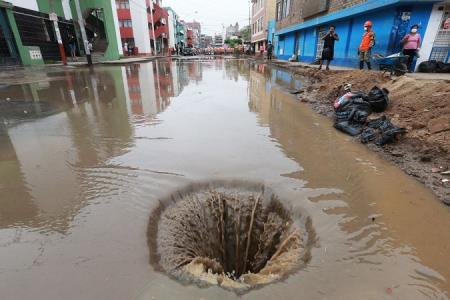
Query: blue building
392, 19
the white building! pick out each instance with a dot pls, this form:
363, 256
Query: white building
436, 41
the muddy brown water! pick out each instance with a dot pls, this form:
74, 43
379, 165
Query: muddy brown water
85, 156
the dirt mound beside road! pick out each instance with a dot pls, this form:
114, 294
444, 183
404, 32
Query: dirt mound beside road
420, 106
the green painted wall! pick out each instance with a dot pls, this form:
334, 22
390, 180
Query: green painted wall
48, 6
112, 52
23, 51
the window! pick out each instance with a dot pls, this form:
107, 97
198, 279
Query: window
125, 23
287, 8
123, 4
278, 10
283, 8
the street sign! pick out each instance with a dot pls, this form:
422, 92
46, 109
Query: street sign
53, 16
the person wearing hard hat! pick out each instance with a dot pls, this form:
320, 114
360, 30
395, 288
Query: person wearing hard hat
367, 43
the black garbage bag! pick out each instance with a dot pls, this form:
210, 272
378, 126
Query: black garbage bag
382, 122
442, 67
390, 135
378, 99
349, 128
428, 66
351, 116
382, 131
368, 135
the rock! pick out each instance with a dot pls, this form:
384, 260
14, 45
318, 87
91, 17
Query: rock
438, 125
425, 158
435, 170
418, 125
397, 154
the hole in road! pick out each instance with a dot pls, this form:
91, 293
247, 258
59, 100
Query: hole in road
235, 235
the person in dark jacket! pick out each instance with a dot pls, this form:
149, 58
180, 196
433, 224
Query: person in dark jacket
269, 51
328, 47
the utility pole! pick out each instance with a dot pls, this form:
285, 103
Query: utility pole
54, 18
83, 33
153, 27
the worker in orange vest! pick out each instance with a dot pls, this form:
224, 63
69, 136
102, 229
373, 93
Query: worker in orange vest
367, 43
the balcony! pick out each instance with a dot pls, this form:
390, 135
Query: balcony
126, 32
160, 32
123, 14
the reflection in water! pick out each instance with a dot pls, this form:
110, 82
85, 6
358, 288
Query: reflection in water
85, 156
381, 223
84, 120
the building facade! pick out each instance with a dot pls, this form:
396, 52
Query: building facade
262, 11
218, 41
196, 29
302, 23
135, 24
27, 35
232, 30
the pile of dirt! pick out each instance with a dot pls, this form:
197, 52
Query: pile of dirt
420, 106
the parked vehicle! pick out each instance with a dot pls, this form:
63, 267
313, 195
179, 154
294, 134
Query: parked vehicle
188, 52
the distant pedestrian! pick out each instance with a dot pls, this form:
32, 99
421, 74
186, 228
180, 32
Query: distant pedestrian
73, 47
91, 46
411, 45
367, 43
130, 49
125, 48
269, 51
328, 47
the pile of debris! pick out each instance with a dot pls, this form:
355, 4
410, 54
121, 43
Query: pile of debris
352, 111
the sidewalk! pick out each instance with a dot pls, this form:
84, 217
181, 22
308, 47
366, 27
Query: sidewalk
124, 60
419, 76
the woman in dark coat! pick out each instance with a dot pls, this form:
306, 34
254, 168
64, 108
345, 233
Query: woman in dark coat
328, 47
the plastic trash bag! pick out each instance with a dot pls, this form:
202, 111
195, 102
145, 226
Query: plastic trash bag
352, 129
378, 99
382, 131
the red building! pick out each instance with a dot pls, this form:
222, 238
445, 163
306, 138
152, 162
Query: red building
135, 25
190, 37
161, 21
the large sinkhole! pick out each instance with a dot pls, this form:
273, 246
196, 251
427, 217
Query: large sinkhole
237, 235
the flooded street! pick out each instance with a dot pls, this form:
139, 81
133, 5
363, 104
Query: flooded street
86, 156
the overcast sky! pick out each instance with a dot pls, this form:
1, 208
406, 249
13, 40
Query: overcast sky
211, 13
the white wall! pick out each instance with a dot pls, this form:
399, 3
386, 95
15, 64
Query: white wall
30, 4
148, 91
140, 25
171, 21
430, 33
66, 8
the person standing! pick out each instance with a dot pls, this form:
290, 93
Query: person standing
125, 48
365, 48
73, 47
328, 47
269, 51
411, 45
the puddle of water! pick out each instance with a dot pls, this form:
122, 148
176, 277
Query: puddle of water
85, 158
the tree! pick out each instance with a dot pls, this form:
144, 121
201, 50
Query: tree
232, 43
245, 33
